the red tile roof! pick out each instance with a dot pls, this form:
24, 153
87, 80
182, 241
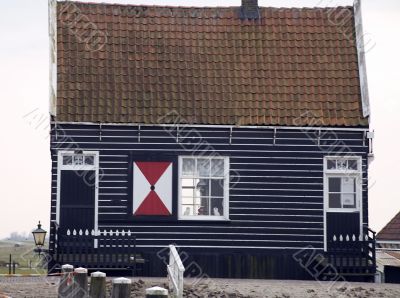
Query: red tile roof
391, 231
137, 64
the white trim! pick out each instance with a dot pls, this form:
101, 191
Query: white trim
219, 126
224, 217
171, 240
238, 247
357, 174
362, 68
94, 167
52, 12
216, 150
388, 241
105, 227
212, 144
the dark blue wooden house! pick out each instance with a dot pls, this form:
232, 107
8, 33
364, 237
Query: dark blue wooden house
240, 134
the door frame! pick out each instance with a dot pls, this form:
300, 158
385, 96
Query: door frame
358, 174
94, 167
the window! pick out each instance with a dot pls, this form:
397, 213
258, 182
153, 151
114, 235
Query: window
342, 183
203, 187
71, 159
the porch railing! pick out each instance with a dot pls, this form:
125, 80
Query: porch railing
351, 254
97, 250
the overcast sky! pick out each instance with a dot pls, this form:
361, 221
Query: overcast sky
25, 157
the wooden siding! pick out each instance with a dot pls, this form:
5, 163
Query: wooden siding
276, 188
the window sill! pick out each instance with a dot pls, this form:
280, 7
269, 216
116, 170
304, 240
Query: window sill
342, 210
204, 218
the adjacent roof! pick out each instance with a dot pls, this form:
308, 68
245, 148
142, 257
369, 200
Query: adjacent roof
388, 258
391, 232
139, 64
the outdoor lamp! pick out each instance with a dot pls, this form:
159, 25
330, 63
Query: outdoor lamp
39, 236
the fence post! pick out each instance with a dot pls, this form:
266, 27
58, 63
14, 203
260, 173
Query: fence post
66, 282
156, 292
9, 265
80, 283
175, 271
97, 285
121, 288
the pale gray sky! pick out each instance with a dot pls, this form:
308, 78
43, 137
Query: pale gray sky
25, 157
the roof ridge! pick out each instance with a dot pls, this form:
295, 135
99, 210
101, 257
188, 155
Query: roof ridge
203, 7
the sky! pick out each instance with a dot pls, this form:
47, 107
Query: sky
25, 155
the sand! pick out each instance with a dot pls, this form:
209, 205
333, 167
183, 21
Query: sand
228, 288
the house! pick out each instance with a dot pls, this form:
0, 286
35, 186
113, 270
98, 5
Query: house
389, 237
388, 248
240, 134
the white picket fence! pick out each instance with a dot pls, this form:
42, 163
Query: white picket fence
175, 273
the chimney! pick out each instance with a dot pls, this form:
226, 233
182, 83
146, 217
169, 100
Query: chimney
249, 9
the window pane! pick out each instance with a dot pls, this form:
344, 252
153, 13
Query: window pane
188, 167
188, 187
67, 160
352, 164
341, 164
217, 168
217, 206
204, 208
349, 200
203, 167
217, 187
203, 187
331, 164
78, 159
89, 160
187, 210
188, 200
348, 184
334, 184
334, 201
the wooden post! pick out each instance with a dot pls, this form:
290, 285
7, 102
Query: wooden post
66, 282
97, 285
80, 283
9, 265
156, 292
121, 288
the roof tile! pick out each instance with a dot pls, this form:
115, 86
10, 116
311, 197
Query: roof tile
391, 232
207, 64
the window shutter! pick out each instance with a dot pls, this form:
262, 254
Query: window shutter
152, 188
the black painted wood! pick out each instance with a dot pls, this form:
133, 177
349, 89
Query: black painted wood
276, 186
77, 200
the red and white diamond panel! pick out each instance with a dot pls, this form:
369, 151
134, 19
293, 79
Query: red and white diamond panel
152, 188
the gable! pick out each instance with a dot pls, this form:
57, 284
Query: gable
391, 231
151, 65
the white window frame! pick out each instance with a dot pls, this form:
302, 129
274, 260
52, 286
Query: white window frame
95, 167
356, 174
225, 216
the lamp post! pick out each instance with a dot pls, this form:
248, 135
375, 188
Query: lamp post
39, 235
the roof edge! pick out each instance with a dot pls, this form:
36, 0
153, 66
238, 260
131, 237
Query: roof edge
386, 226
52, 22
362, 67
338, 128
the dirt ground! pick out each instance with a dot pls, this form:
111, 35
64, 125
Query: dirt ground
228, 288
